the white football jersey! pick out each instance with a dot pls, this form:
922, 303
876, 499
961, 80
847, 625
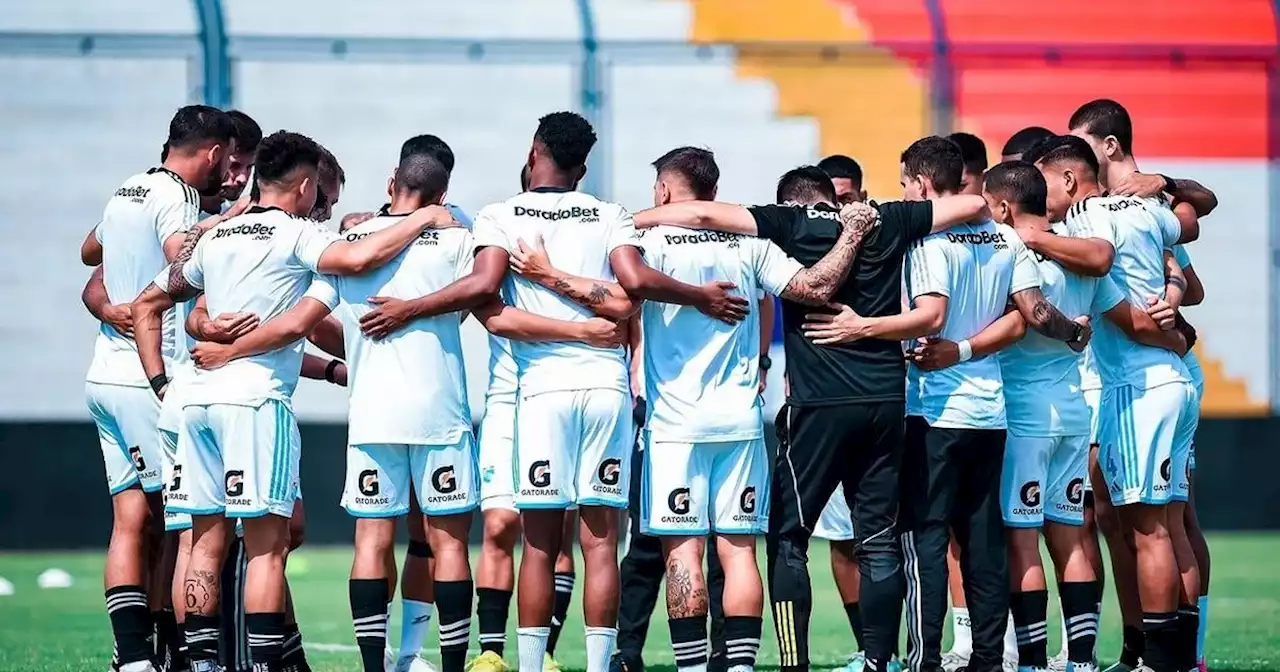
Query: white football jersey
262, 262
410, 387
1140, 230
579, 231
139, 218
1042, 376
977, 267
701, 375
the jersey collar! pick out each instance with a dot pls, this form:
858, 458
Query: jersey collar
551, 190
259, 209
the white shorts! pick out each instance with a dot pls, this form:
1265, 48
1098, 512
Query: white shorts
380, 475
693, 489
1144, 441
241, 460
173, 521
836, 521
1092, 398
497, 447
126, 420
1043, 479
573, 447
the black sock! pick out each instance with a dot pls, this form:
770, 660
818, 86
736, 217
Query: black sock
1160, 635
130, 623
1132, 647
492, 608
166, 636
689, 640
369, 599
201, 634
564, 595
1079, 609
855, 622
295, 656
1030, 615
266, 639
1188, 630
453, 603
742, 639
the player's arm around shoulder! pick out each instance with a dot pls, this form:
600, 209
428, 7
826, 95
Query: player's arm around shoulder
712, 215
601, 297
512, 323
325, 252
276, 333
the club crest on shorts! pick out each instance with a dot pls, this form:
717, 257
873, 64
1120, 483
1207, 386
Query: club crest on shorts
235, 483
443, 481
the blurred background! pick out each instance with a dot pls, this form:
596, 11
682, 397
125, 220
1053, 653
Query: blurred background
89, 87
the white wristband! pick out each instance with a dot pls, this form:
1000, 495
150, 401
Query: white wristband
966, 350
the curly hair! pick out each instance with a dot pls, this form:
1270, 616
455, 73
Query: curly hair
568, 136
282, 152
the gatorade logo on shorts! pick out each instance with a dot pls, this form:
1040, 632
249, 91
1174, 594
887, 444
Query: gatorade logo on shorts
235, 483
1075, 491
678, 501
747, 502
609, 471
1030, 496
177, 478
540, 474
443, 481
1166, 470
367, 481
138, 463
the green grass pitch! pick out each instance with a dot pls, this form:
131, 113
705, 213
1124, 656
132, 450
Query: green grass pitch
66, 629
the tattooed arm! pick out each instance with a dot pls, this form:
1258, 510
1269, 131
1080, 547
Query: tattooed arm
178, 284
1048, 320
606, 299
815, 285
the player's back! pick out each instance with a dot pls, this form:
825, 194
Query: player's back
144, 212
411, 386
579, 232
251, 263
1140, 230
1042, 376
701, 374
973, 265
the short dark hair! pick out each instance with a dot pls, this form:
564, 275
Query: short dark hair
1020, 142
329, 166
806, 184
697, 167
1068, 149
196, 124
248, 133
938, 159
424, 174
283, 152
1105, 117
839, 166
568, 136
972, 150
430, 145
1019, 183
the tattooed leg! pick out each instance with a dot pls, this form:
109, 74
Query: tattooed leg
686, 584
200, 591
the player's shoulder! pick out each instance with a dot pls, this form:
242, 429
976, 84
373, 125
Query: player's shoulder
158, 186
263, 223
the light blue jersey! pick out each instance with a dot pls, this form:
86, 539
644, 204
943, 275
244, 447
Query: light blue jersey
1139, 230
977, 267
1042, 376
1183, 258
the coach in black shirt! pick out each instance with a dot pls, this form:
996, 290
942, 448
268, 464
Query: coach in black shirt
843, 422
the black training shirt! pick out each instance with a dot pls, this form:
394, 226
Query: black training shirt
869, 370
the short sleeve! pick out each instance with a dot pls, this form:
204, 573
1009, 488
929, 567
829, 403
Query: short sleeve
1170, 227
777, 223
1181, 255
909, 220
1026, 274
464, 258
323, 289
774, 269
193, 270
162, 280
927, 268
459, 216
97, 232
313, 240
487, 232
177, 214
1084, 220
1106, 295
652, 245
622, 232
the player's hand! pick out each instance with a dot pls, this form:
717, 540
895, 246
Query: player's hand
717, 302
1085, 334
601, 333
842, 326
227, 327
1138, 184
389, 316
434, 217
764, 382
120, 317
1163, 313
211, 356
240, 205
1030, 235
532, 261
933, 353
354, 219
858, 219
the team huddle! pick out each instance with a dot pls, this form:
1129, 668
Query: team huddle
997, 358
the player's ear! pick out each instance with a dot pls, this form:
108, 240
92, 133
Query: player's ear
862, 195
1111, 146
582, 172
1069, 180
715, 190
391, 186
444, 197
